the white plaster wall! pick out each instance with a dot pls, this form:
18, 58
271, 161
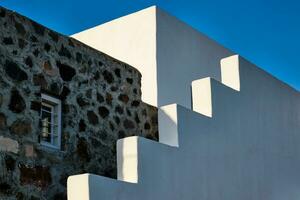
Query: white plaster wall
168, 53
130, 39
240, 142
248, 148
183, 55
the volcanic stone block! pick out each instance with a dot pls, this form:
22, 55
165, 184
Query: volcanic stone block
20, 28
17, 103
28, 61
8, 41
66, 72
2, 121
108, 76
10, 163
124, 98
39, 80
21, 127
82, 126
14, 71
39, 176
82, 149
64, 52
103, 111
49, 69
92, 117
8, 145
39, 29
128, 124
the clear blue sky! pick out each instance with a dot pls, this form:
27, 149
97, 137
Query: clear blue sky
266, 32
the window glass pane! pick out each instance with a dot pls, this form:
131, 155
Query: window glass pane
50, 124
55, 139
46, 120
55, 116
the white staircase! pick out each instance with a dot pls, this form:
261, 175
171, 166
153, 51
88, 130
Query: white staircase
241, 141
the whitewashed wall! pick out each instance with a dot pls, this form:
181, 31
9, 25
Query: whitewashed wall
131, 39
168, 53
244, 146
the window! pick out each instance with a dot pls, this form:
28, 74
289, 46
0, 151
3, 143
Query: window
50, 122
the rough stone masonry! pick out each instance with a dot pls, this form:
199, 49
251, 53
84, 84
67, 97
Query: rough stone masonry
101, 100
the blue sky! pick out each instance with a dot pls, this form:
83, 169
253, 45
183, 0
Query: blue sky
266, 32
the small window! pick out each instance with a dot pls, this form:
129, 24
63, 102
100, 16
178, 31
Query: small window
50, 122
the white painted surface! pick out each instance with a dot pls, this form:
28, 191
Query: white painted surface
131, 39
78, 188
168, 53
126, 160
249, 149
230, 72
167, 125
183, 55
203, 92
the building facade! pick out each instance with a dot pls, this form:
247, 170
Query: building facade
63, 105
227, 129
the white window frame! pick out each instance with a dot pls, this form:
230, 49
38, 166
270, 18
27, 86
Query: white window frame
56, 107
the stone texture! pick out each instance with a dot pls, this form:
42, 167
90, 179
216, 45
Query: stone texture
21, 127
39, 80
10, 163
2, 13
49, 69
30, 151
40, 30
8, 145
100, 102
100, 98
8, 41
119, 109
135, 103
13, 70
66, 72
54, 36
20, 28
39, 176
146, 126
47, 47
17, 103
82, 101
36, 106
124, 98
103, 111
21, 43
64, 93
64, 52
108, 76
82, 150
128, 124
5, 188
82, 126
28, 61
92, 117
108, 98
2, 121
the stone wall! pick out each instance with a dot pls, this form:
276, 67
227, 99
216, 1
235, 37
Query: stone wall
101, 103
